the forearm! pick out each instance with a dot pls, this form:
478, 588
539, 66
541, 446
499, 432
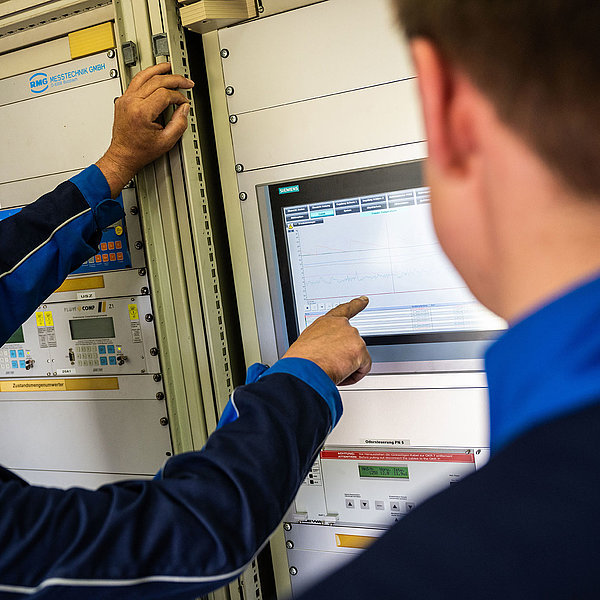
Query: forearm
191, 531
47, 240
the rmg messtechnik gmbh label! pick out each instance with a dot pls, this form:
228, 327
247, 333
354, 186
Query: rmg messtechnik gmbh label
41, 81
74, 73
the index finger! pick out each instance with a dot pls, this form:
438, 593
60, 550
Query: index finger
349, 309
143, 76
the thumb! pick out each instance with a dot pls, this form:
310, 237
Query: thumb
176, 126
349, 309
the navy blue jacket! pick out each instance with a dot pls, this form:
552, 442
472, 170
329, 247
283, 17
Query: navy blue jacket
198, 525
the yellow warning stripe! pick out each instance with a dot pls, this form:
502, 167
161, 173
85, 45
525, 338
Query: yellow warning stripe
77, 284
343, 540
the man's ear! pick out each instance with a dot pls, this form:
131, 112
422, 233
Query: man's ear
447, 120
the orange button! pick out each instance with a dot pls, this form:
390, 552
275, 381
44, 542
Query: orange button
105, 257
111, 245
103, 246
98, 258
119, 256
118, 244
112, 256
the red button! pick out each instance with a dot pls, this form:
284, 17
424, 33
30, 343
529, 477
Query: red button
103, 246
118, 244
119, 256
111, 245
105, 257
112, 256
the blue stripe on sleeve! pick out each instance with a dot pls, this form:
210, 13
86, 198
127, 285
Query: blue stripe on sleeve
311, 374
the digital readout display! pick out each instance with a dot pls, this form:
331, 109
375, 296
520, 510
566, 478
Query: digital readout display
17, 337
383, 472
88, 329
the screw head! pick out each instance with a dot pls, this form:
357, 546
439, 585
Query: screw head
233, 119
229, 90
239, 168
153, 351
157, 377
134, 210
293, 571
114, 73
144, 291
110, 54
138, 245
289, 544
261, 8
164, 421
142, 271
160, 396
243, 196
287, 526
224, 53
149, 318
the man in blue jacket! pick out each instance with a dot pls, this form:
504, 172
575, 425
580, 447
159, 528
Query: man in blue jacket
200, 523
511, 100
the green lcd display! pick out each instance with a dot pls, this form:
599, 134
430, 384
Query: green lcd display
89, 329
383, 472
17, 337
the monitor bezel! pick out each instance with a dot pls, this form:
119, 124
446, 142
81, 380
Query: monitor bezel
341, 186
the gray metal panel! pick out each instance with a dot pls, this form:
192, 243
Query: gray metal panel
67, 479
329, 126
65, 131
111, 436
323, 49
25, 191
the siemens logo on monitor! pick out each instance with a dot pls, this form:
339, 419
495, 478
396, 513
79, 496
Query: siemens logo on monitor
38, 83
289, 189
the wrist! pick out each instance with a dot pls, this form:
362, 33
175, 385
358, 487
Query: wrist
116, 171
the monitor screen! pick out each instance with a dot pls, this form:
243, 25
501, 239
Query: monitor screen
358, 234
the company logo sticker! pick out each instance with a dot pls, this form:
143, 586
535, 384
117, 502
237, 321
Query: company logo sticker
38, 82
289, 189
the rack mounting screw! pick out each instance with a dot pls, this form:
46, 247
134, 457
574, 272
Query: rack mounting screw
164, 421
153, 351
293, 571
287, 526
144, 291
239, 168
134, 210
138, 245
114, 73
224, 53
289, 544
233, 119
229, 90
160, 396
157, 377
110, 54
142, 271
149, 318
243, 196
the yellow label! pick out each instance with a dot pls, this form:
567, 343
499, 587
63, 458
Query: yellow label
48, 318
44, 385
343, 540
119, 230
39, 319
133, 313
60, 385
77, 284
91, 40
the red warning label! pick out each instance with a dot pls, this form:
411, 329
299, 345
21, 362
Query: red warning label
449, 457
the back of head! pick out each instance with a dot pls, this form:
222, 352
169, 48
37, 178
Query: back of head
539, 63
